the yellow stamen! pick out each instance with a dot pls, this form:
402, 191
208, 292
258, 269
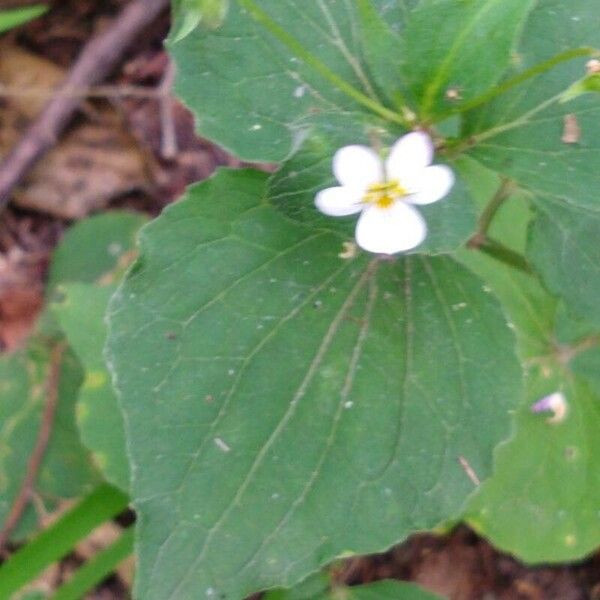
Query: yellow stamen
384, 194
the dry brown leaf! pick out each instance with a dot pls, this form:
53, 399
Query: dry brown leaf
92, 164
20, 69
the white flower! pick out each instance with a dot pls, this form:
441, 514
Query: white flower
384, 192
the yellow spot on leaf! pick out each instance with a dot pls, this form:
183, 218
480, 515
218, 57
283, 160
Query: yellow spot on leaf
94, 380
82, 412
101, 460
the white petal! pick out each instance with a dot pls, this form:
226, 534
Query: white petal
412, 152
339, 201
389, 230
357, 167
430, 184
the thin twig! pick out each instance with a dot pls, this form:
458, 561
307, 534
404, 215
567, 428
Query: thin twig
96, 61
98, 91
567, 352
168, 145
22, 499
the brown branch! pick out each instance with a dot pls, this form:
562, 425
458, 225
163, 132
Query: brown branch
96, 61
22, 499
100, 91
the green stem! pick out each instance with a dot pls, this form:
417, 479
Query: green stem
60, 538
481, 241
504, 254
96, 569
506, 189
530, 73
295, 46
456, 147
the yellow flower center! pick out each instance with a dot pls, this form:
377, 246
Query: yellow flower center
384, 194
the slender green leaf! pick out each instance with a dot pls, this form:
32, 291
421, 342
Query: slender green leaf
464, 46
589, 84
18, 16
60, 538
96, 569
380, 44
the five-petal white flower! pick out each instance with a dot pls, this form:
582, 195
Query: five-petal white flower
384, 192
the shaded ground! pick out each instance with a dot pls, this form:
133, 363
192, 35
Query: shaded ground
157, 155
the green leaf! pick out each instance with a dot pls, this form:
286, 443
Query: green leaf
292, 188
474, 42
382, 590
528, 305
65, 471
81, 316
292, 406
522, 135
526, 508
564, 247
253, 82
98, 248
314, 587
542, 502
94, 247
379, 43
18, 16
189, 14
379, 590
519, 134
589, 84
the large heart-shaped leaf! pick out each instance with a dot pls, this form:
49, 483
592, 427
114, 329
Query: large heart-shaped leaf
291, 405
250, 91
255, 82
